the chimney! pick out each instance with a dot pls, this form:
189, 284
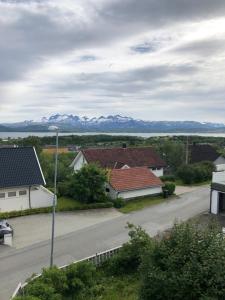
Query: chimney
124, 145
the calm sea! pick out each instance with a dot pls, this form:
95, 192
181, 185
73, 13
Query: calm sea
6, 135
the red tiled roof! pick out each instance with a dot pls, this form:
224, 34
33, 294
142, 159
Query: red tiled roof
115, 158
133, 178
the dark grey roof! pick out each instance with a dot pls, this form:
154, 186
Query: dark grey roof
218, 187
19, 167
200, 153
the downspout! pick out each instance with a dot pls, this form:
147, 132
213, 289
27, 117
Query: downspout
210, 200
29, 197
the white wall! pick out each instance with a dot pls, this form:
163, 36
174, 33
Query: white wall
158, 172
215, 202
40, 197
220, 164
135, 193
14, 203
218, 177
79, 161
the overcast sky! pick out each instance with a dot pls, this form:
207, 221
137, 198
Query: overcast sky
148, 59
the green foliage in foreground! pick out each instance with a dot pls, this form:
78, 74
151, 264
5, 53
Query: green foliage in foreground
189, 263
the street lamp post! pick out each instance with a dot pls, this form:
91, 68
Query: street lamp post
56, 129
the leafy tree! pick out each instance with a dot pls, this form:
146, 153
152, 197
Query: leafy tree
42, 291
194, 173
88, 184
129, 257
172, 152
80, 278
33, 141
190, 264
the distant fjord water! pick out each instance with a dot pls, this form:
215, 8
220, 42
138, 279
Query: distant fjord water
16, 135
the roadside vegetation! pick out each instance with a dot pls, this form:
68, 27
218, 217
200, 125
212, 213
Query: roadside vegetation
188, 262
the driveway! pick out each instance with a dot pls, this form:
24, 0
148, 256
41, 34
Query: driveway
16, 265
34, 229
182, 189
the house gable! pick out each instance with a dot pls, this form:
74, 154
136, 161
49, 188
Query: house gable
20, 167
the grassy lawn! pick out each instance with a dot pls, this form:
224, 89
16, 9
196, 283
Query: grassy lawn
65, 203
140, 203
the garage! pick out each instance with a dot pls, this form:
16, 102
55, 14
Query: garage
217, 199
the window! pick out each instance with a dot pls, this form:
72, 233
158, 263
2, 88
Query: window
107, 190
11, 194
22, 193
2, 195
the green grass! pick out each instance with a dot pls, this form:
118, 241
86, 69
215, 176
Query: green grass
65, 203
141, 203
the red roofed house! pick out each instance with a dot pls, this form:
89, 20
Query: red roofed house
132, 183
120, 158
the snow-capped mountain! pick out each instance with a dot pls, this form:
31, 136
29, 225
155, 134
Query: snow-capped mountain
116, 123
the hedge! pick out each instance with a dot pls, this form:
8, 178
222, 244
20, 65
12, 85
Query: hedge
34, 211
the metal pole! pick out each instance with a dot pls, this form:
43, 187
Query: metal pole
187, 152
54, 198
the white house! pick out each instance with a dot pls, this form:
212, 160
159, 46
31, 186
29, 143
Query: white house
21, 180
130, 183
120, 158
217, 194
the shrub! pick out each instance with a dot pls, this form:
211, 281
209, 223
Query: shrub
41, 291
80, 277
170, 187
166, 178
190, 264
118, 203
129, 257
198, 172
88, 184
55, 278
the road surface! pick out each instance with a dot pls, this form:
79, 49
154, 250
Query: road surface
16, 265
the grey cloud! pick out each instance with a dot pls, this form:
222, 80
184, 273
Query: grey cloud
130, 82
35, 36
162, 12
203, 48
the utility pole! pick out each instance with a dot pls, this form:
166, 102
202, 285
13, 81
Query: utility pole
187, 151
56, 129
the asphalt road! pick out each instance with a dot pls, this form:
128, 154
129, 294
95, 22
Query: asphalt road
17, 265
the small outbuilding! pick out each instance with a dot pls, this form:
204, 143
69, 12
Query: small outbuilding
22, 180
133, 182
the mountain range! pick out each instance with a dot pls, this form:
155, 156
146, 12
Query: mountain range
111, 123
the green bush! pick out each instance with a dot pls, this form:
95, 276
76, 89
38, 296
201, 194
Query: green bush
195, 173
80, 278
118, 203
42, 291
129, 257
88, 184
166, 178
170, 187
189, 264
